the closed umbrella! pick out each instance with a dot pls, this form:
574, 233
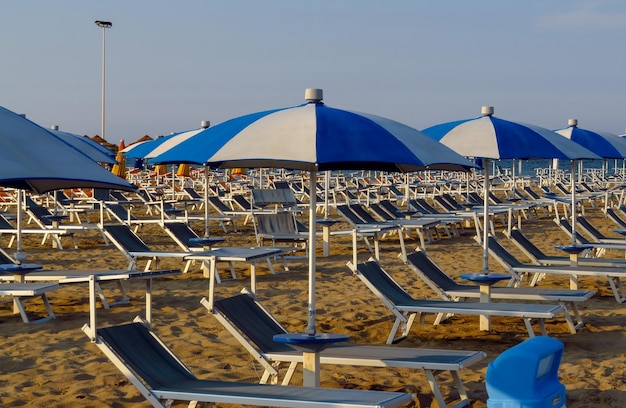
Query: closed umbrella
119, 168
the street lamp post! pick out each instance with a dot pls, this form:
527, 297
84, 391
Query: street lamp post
104, 25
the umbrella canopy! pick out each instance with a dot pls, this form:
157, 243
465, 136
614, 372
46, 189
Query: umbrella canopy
32, 158
488, 137
152, 148
94, 150
314, 137
605, 145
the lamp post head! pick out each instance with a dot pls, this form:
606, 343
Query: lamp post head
104, 24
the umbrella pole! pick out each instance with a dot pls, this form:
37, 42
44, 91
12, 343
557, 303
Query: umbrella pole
486, 219
19, 221
573, 192
206, 201
310, 329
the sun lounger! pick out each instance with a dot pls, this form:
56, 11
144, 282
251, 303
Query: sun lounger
7, 228
22, 291
616, 218
280, 227
586, 226
448, 289
254, 327
118, 277
424, 227
540, 258
160, 376
447, 223
513, 265
405, 308
49, 221
365, 230
598, 247
134, 248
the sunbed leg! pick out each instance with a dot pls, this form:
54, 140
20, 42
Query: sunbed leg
464, 399
529, 326
289, 373
100, 293
617, 288
441, 402
403, 248
568, 319
396, 325
232, 270
579, 320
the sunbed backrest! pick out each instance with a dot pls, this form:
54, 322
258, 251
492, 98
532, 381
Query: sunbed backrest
125, 237
363, 214
590, 228
531, 192
521, 239
502, 253
120, 211
444, 203
567, 227
219, 204
421, 261
145, 355
5, 224
389, 206
5, 258
384, 283
183, 233
616, 218
252, 321
381, 212
282, 223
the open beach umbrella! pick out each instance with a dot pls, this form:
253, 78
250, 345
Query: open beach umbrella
91, 148
488, 137
314, 137
605, 145
32, 158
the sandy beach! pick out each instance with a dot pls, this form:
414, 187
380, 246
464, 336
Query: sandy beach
54, 364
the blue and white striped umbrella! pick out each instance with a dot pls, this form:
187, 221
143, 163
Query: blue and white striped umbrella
488, 137
315, 137
605, 145
152, 148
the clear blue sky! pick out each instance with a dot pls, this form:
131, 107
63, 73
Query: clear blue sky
171, 64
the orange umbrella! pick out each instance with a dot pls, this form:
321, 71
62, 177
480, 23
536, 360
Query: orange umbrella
183, 170
160, 169
119, 168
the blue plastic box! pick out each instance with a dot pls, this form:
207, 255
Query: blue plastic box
526, 376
